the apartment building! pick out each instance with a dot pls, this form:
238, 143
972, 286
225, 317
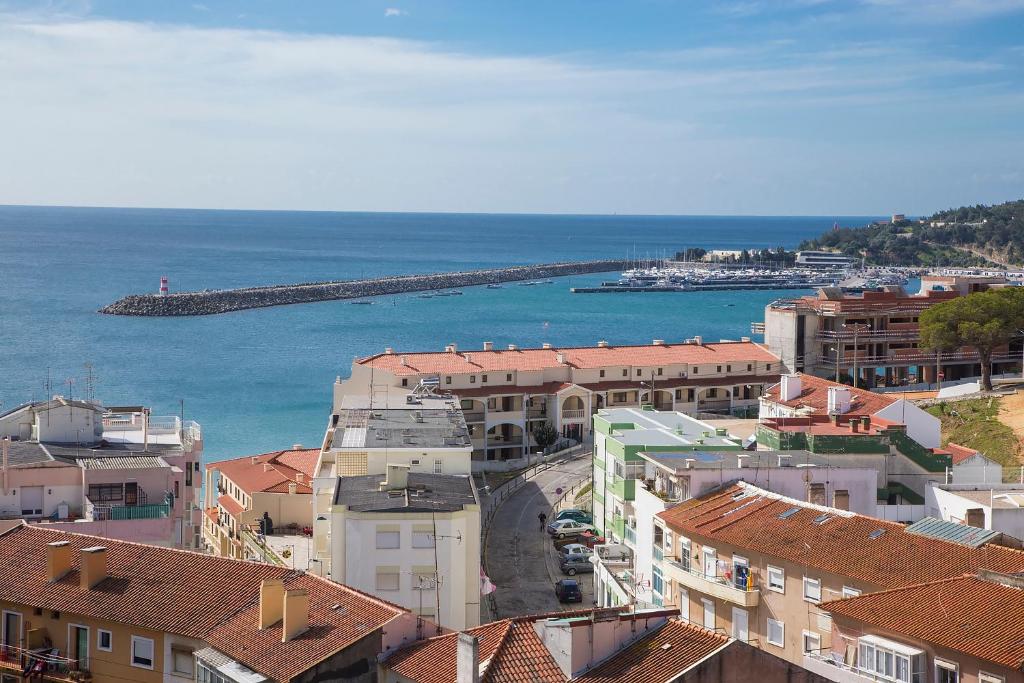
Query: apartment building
803, 395
964, 629
78, 607
877, 331
114, 472
411, 538
507, 394
620, 434
758, 565
241, 492
591, 646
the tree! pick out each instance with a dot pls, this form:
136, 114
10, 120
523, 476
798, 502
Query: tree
983, 320
545, 435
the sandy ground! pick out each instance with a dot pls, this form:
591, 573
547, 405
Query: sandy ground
1011, 414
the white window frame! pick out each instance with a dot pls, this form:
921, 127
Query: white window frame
782, 633
684, 604
438, 466
809, 581
152, 647
708, 606
948, 666
376, 581
179, 649
850, 592
812, 635
985, 677
781, 573
99, 640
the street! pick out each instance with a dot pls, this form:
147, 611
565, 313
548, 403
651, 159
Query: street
520, 558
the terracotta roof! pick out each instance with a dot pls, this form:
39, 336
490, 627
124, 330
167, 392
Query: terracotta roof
575, 357
814, 396
209, 598
748, 517
271, 472
551, 388
650, 660
958, 453
230, 505
968, 614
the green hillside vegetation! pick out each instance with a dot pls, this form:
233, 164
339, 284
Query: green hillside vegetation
968, 236
974, 423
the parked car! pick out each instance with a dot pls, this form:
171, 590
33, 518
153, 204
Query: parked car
568, 527
574, 514
576, 563
567, 590
575, 549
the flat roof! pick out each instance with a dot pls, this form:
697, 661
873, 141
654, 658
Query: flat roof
424, 492
676, 461
1005, 499
662, 428
431, 422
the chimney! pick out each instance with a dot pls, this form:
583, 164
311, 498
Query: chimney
467, 659
388, 350
659, 342
698, 340
58, 560
560, 357
546, 345
790, 387
865, 423
300, 477
976, 517
296, 614
271, 602
451, 348
469, 358
397, 478
841, 499
292, 488
745, 340
296, 446
267, 467
94, 566
511, 347
403, 359
838, 400
854, 425
602, 344
488, 346
253, 459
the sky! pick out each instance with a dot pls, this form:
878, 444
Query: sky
810, 107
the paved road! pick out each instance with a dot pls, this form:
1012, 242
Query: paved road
520, 558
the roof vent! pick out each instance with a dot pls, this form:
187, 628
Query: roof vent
602, 344
789, 513
546, 345
666, 646
388, 350
488, 346
512, 347
659, 342
698, 340
296, 446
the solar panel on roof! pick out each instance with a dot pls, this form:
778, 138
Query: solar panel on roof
789, 513
353, 437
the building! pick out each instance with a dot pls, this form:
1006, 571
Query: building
877, 331
803, 395
412, 538
970, 466
113, 472
593, 646
994, 506
758, 565
86, 608
241, 492
963, 628
826, 259
507, 394
620, 434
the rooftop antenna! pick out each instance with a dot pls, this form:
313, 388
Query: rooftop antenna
90, 383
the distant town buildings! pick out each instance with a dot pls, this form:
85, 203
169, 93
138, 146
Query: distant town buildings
113, 472
827, 259
507, 394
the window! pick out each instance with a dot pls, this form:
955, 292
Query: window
102, 493
812, 589
204, 674
602, 373
438, 467
728, 368
483, 378
890, 660
776, 633
181, 661
696, 370
388, 539
638, 372
422, 539
659, 371
812, 641
387, 579
718, 368
769, 368
472, 379
685, 549
850, 592
749, 367
405, 381
142, 652
712, 393
448, 380
508, 377
709, 613
946, 672
619, 397
104, 640
657, 582
776, 579
990, 678
625, 372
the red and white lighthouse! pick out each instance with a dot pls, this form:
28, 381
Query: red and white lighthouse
163, 285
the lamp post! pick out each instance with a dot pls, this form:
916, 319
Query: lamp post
857, 329
835, 350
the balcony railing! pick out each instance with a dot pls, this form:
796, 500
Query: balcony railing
832, 667
42, 662
714, 404
658, 552
101, 513
473, 416
629, 533
716, 586
573, 414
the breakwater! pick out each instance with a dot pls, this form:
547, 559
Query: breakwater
212, 302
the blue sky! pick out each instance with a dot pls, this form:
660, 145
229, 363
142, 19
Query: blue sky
650, 106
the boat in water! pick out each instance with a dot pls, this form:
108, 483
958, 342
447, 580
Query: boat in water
495, 286
361, 303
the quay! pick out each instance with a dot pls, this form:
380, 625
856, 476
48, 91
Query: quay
716, 287
212, 302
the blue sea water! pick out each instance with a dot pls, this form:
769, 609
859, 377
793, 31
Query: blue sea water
261, 380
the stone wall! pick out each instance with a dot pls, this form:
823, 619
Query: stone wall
225, 300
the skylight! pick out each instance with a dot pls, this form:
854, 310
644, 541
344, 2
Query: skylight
789, 513
821, 519
876, 533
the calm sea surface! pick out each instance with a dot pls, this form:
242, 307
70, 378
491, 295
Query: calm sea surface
261, 380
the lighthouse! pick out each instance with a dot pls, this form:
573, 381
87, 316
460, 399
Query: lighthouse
163, 285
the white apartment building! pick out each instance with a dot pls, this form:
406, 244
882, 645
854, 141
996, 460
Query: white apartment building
506, 394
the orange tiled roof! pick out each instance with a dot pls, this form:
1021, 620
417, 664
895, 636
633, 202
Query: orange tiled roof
814, 396
576, 357
230, 505
649, 660
841, 545
209, 598
271, 472
964, 613
958, 453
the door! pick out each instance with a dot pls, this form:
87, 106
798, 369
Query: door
31, 500
11, 630
741, 572
710, 562
740, 630
79, 643
131, 493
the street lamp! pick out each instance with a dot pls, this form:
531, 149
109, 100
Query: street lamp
857, 329
835, 350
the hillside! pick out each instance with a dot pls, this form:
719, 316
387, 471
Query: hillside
968, 236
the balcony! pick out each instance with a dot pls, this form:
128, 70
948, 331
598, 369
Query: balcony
574, 415
99, 512
629, 535
44, 665
473, 416
714, 405
715, 586
614, 555
823, 663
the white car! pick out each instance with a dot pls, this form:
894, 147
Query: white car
568, 527
576, 549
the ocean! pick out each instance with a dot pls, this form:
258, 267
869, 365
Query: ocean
261, 380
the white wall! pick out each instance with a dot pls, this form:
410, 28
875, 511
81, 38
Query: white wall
948, 505
922, 426
977, 470
645, 506
860, 482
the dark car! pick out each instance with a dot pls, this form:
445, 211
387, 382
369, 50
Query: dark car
575, 515
567, 590
576, 563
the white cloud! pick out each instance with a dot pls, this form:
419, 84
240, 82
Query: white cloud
394, 12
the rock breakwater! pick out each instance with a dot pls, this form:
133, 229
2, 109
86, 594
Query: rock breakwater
211, 302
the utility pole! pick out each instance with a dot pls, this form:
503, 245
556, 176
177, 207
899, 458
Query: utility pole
857, 329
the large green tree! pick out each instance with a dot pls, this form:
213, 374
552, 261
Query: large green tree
983, 321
